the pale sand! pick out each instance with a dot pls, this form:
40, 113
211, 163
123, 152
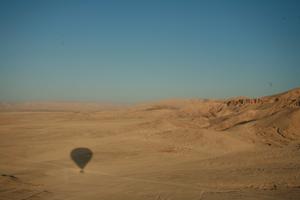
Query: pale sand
177, 149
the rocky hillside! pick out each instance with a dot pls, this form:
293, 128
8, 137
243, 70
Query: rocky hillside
276, 117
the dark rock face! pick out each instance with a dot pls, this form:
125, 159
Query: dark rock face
243, 101
296, 102
286, 101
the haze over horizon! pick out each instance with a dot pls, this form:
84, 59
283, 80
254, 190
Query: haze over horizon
140, 51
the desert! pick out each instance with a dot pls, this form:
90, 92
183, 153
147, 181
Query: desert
236, 148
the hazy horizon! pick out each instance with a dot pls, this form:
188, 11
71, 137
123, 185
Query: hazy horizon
134, 51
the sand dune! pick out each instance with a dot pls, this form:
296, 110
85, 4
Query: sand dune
238, 148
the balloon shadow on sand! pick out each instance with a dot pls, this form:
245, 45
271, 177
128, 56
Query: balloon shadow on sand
81, 156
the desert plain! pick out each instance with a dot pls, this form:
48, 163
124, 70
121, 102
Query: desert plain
199, 149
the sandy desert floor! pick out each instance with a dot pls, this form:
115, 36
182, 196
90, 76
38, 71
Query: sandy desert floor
153, 152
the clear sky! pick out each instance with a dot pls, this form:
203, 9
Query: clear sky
131, 51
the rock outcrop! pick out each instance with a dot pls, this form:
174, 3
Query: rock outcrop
243, 101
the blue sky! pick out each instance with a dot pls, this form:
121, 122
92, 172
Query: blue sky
132, 51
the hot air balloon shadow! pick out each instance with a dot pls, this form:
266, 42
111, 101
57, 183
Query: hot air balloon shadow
81, 156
